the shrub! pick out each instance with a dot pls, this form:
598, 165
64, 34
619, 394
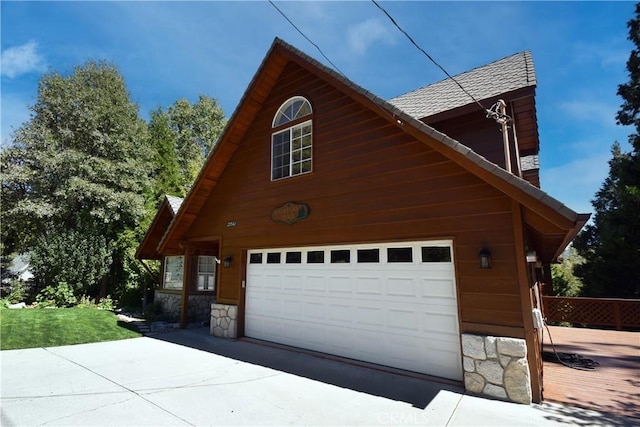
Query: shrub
106, 303
17, 293
60, 296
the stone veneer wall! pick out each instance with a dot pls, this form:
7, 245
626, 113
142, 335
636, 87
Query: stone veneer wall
497, 367
224, 321
170, 303
198, 307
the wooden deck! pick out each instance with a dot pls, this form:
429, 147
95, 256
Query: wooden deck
612, 387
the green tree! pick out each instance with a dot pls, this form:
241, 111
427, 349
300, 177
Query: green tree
611, 244
565, 283
166, 173
76, 172
196, 128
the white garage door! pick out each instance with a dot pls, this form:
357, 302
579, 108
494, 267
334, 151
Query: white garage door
393, 304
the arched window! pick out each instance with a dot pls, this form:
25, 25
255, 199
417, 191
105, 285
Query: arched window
291, 139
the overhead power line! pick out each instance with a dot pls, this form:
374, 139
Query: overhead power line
493, 112
305, 36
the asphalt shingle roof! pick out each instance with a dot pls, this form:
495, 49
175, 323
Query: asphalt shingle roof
494, 79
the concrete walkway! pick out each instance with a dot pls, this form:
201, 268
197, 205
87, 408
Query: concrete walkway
209, 381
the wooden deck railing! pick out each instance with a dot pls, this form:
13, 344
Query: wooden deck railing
619, 313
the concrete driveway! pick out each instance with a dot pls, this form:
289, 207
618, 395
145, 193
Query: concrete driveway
189, 378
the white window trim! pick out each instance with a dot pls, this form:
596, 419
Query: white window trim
207, 274
290, 130
170, 280
286, 103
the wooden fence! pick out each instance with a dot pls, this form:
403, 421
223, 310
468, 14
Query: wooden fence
618, 313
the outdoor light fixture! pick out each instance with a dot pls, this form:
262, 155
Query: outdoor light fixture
227, 261
485, 258
532, 256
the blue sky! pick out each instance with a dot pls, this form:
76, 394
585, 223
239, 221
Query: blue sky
172, 50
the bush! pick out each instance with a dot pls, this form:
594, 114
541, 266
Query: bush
60, 296
17, 293
104, 303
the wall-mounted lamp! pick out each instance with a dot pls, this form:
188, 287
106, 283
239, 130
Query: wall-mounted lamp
485, 258
532, 256
227, 261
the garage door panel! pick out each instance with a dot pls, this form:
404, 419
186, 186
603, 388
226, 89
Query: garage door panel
404, 287
292, 308
437, 322
369, 287
437, 287
369, 316
315, 311
340, 313
340, 285
272, 282
315, 284
293, 282
397, 314
404, 320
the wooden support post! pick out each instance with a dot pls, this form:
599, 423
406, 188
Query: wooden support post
186, 283
533, 354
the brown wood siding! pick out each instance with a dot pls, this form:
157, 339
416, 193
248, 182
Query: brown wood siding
476, 131
371, 182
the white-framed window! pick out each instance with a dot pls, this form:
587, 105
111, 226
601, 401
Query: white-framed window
291, 147
206, 273
173, 272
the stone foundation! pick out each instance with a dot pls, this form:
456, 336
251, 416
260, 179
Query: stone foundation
198, 307
170, 304
497, 367
224, 321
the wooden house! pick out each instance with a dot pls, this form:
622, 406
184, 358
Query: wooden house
390, 232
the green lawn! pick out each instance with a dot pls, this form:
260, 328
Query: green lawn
28, 328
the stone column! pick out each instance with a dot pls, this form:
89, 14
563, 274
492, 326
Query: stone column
224, 320
497, 367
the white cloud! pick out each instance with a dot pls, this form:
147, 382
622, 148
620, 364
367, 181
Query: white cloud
22, 59
361, 36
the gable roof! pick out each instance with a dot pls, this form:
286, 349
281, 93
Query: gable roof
497, 78
167, 211
546, 212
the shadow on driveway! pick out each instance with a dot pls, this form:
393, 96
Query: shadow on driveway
414, 389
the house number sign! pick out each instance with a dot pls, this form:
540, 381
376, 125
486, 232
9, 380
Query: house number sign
290, 212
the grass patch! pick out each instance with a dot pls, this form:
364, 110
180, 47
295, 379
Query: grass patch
29, 328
